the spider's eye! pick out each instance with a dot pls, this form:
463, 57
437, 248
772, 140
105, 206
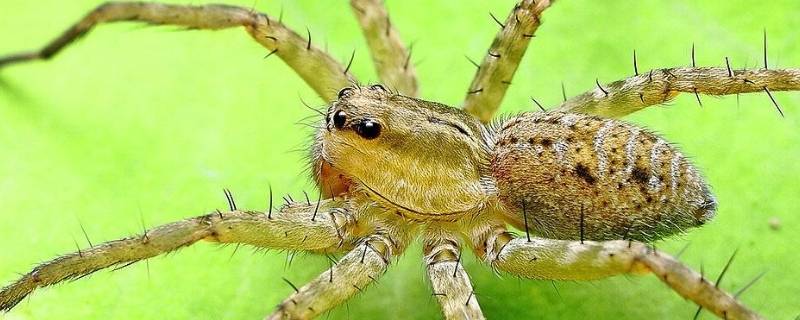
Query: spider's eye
339, 118
345, 92
378, 87
368, 129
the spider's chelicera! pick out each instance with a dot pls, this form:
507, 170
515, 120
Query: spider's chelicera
587, 190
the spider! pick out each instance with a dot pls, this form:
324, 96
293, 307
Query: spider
474, 184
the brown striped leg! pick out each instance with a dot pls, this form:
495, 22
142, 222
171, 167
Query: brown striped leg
324, 74
324, 228
392, 59
349, 276
658, 86
451, 284
540, 258
494, 74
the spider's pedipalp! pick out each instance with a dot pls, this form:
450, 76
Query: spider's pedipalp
391, 58
451, 284
659, 86
552, 259
319, 70
494, 74
291, 228
349, 276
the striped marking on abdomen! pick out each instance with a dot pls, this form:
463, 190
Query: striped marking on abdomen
630, 150
674, 171
599, 139
655, 165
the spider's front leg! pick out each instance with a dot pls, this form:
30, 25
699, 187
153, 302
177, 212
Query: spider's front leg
319, 70
350, 275
494, 74
540, 258
392, 59
451, 284
327, 226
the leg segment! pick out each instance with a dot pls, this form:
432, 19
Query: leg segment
352, 274
318, 69
390, 56
540, 258
328, 228
498, 67
451, 284
658, 86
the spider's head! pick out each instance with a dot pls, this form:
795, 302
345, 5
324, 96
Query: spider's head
419, 157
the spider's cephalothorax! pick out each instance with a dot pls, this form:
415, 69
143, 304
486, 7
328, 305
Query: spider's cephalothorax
425, 159
391, 168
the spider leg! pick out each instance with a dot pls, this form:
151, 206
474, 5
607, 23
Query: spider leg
392, 59
658, 86
324, 74
541, 258
349, 276
494, 74
296, 226
451, 284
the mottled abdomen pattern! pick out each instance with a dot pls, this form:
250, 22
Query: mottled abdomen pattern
575, 175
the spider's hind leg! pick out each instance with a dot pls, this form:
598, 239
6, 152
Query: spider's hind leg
323, 227
319, 70
540, 258
659, 86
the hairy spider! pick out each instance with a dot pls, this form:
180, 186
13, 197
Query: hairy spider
583, 187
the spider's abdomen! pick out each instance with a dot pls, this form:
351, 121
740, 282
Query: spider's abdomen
578, 175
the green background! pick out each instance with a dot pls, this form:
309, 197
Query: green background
150, 123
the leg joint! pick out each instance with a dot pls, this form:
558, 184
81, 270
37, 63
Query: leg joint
343, 221
494, 244
380, 244
446, 251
